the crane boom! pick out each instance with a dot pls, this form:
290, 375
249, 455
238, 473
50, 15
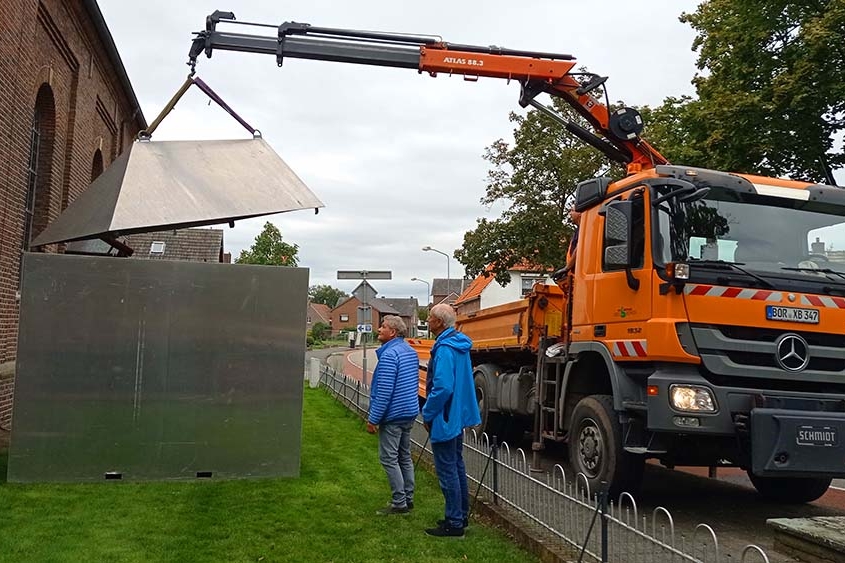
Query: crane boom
537, 72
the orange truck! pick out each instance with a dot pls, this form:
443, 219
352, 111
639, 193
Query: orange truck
703, 322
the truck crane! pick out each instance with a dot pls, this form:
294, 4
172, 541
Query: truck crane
535, 72
701, 324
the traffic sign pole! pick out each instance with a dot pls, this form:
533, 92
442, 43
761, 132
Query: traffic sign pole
364, 275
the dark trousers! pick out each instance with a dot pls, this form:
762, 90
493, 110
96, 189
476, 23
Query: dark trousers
452, 473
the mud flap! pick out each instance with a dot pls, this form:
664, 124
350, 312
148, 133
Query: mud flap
797, 443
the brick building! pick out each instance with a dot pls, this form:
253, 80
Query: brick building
192, 245
67, 110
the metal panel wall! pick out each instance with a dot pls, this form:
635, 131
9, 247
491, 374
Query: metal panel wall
150, 369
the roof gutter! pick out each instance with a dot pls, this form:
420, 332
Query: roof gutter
108, 42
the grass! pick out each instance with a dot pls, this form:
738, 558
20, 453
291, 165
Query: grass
327, 514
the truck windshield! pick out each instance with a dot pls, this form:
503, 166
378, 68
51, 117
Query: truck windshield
788, 236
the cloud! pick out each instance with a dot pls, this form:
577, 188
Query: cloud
396, 156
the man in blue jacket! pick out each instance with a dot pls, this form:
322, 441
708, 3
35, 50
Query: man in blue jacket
393, 407
450, 407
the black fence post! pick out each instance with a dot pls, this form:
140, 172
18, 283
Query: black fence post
604, 520
357, 397
494, 452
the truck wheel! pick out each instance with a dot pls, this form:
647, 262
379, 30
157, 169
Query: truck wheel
595, 447
481, 397
791, 490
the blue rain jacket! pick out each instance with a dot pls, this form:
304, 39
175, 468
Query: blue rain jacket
450, 404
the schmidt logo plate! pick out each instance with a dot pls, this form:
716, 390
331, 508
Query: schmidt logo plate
826, 436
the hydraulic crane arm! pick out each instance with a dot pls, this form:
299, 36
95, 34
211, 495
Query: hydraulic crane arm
536, 72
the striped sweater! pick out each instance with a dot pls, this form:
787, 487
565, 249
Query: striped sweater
393, 395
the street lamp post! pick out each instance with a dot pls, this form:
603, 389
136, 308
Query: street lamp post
448, 276
427, 287
427, 293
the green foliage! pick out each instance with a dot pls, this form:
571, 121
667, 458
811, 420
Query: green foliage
326, 294
422, 314
772, 91
320, 331
675, 128
536, 177
269, 249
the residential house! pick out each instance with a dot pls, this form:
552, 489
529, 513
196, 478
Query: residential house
346, 314
403, 307
484, 291
318, 313
447, 291
67, 111
193, 245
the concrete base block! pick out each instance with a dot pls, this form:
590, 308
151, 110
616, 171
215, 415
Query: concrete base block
815, 540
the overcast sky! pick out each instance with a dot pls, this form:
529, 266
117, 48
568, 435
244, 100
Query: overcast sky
396, 157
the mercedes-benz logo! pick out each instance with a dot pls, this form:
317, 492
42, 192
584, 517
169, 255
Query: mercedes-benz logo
792, 352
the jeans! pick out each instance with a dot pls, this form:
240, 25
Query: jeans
394, 453
452, 473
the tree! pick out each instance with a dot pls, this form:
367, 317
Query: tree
326, 294
270, 249
675, 128
772, 97
536, 177
320, 331
422, 314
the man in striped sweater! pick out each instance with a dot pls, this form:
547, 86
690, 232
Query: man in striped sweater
393, 408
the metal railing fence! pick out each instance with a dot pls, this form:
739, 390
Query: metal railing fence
597, 528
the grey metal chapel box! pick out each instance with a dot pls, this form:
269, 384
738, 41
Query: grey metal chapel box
149, 369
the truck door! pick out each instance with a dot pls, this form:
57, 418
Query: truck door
621, 301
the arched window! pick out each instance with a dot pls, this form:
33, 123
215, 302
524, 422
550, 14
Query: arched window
97, 164
42, 135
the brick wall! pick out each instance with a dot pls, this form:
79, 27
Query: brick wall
52, 54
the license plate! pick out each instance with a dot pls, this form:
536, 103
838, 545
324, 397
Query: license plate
825, 436
792, 314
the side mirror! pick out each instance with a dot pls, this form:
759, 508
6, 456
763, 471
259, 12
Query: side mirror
618, 233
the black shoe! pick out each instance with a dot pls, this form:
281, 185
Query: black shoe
410, 504
393, 510
443, 523
445, 532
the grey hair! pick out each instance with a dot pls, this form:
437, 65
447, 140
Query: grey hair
397, 324
445, 313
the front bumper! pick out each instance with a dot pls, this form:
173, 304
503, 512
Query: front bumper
775, 433
805, 443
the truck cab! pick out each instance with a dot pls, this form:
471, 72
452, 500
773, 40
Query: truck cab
706, 330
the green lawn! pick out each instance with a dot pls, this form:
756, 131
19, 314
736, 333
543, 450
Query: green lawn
328, 514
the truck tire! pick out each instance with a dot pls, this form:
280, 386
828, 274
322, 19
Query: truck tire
481, 397
790, 490
595, 447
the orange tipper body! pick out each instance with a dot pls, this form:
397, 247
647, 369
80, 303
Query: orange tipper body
702, 322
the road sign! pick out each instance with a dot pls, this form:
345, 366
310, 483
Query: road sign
365, 315
364, 275
365, 328
364, 292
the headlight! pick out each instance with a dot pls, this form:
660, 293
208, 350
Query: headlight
677, 270
692, 398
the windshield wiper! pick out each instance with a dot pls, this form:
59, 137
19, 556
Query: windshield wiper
734, 266
817, 270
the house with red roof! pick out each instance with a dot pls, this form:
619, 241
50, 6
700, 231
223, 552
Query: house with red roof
484, 291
